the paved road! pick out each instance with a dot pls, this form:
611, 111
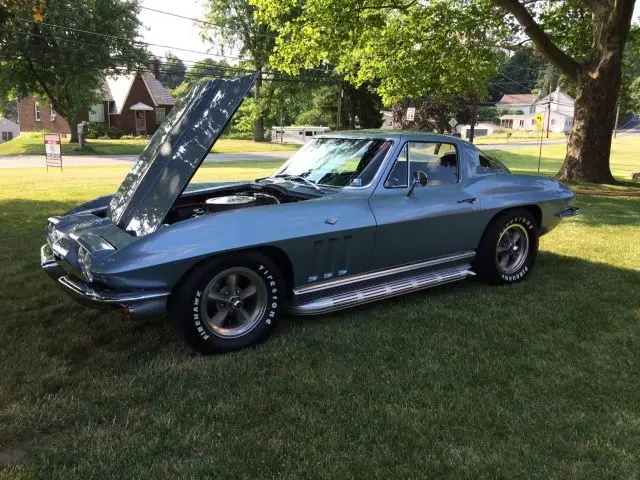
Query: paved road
37, 161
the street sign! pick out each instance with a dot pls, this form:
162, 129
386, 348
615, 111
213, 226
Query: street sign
453, 122
53, 151
411, 114
539, 119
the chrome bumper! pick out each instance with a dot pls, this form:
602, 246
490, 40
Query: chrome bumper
134, 304
568, 212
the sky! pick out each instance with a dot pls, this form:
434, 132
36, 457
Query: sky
175, 32
180, 33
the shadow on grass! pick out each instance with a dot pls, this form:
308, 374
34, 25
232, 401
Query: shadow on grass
538, 377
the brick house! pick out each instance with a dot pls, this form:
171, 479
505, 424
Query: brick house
135, 103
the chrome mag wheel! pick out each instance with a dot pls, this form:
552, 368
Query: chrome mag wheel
512, 249
233, 302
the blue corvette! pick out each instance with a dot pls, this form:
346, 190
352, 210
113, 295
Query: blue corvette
351, 218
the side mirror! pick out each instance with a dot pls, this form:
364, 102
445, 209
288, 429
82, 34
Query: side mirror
421, 179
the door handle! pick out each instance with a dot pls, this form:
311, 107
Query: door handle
468, 200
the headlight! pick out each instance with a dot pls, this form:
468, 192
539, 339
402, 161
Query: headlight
84, 259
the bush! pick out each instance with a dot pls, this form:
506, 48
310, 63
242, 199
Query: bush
133, 137
238, 136
100, 130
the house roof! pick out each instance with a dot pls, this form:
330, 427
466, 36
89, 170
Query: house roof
519, 99
159, 94
117, 90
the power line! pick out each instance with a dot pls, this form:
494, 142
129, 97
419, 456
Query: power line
140, 42
203, 22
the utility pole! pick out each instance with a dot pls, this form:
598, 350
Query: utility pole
474, 109
339, 120
615, 130
548, 116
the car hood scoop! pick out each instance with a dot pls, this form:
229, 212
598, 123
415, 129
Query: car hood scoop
174, 153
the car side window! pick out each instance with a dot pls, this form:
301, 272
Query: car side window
399, 176
438, 160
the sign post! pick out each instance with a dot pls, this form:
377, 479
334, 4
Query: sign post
53, 151
539, 120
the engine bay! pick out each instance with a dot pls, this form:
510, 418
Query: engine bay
194, 204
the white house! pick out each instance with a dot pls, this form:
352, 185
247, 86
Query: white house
296, 134
8, 130
557, 111
520, 102
482, 129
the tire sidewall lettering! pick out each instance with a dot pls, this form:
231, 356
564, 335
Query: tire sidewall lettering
268, 316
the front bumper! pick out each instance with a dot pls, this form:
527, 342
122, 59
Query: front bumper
134, 304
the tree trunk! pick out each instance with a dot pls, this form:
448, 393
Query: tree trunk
73, 126
472, 123
589, 145
258, 122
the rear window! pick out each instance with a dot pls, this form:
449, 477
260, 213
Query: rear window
489, 162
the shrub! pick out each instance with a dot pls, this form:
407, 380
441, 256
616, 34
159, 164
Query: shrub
238, 135
133, 137
98, 130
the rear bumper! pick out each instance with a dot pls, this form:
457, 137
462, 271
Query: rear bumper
135, 304
568, 212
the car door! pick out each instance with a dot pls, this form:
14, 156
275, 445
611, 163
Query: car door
438, 219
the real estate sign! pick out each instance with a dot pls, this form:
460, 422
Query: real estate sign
53, 150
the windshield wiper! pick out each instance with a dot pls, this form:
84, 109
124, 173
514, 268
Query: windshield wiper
296, 178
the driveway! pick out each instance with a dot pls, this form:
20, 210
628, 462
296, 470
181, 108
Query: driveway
37, 161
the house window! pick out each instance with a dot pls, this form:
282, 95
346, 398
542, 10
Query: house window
37, 110
160, 115
52, 115
521, 123
533, 122
6, 136
96, 114
553, 121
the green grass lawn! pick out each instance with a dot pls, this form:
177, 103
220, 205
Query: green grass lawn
33, 144
625, 158
517, 136
537, 380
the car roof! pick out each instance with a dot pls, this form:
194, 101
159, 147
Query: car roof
392, 135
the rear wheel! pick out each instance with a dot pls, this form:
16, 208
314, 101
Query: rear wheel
229, 303
508, 248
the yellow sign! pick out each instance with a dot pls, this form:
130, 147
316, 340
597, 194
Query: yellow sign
539, 119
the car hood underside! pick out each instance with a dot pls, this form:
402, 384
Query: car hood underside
174, 153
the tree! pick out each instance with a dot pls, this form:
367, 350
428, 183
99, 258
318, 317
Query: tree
46, 50
172, 71
585, 40
234, 22
445, 47
517, 73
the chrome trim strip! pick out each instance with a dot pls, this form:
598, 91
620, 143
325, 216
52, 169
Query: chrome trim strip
60, 250
569, 212
53, 220
104, 297
340, 282
385, 290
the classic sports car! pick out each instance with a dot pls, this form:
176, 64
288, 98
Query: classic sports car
351, 218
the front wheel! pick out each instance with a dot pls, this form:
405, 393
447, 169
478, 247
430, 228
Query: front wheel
508, 248
229, 303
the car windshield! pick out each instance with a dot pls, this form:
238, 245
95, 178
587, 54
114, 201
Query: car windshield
337, 162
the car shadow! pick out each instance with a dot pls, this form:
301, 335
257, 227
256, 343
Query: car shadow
34, 311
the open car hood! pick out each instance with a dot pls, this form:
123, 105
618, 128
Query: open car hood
174, 153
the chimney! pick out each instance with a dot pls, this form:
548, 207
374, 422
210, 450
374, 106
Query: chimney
155, 67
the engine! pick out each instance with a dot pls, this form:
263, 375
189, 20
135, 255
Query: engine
232, 202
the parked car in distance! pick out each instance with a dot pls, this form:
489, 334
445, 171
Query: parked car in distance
351, 218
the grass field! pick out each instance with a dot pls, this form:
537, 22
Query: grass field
33, 144
517, 136
537, 380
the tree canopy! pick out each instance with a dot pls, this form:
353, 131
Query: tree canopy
172, 71
62, 50
448, 47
